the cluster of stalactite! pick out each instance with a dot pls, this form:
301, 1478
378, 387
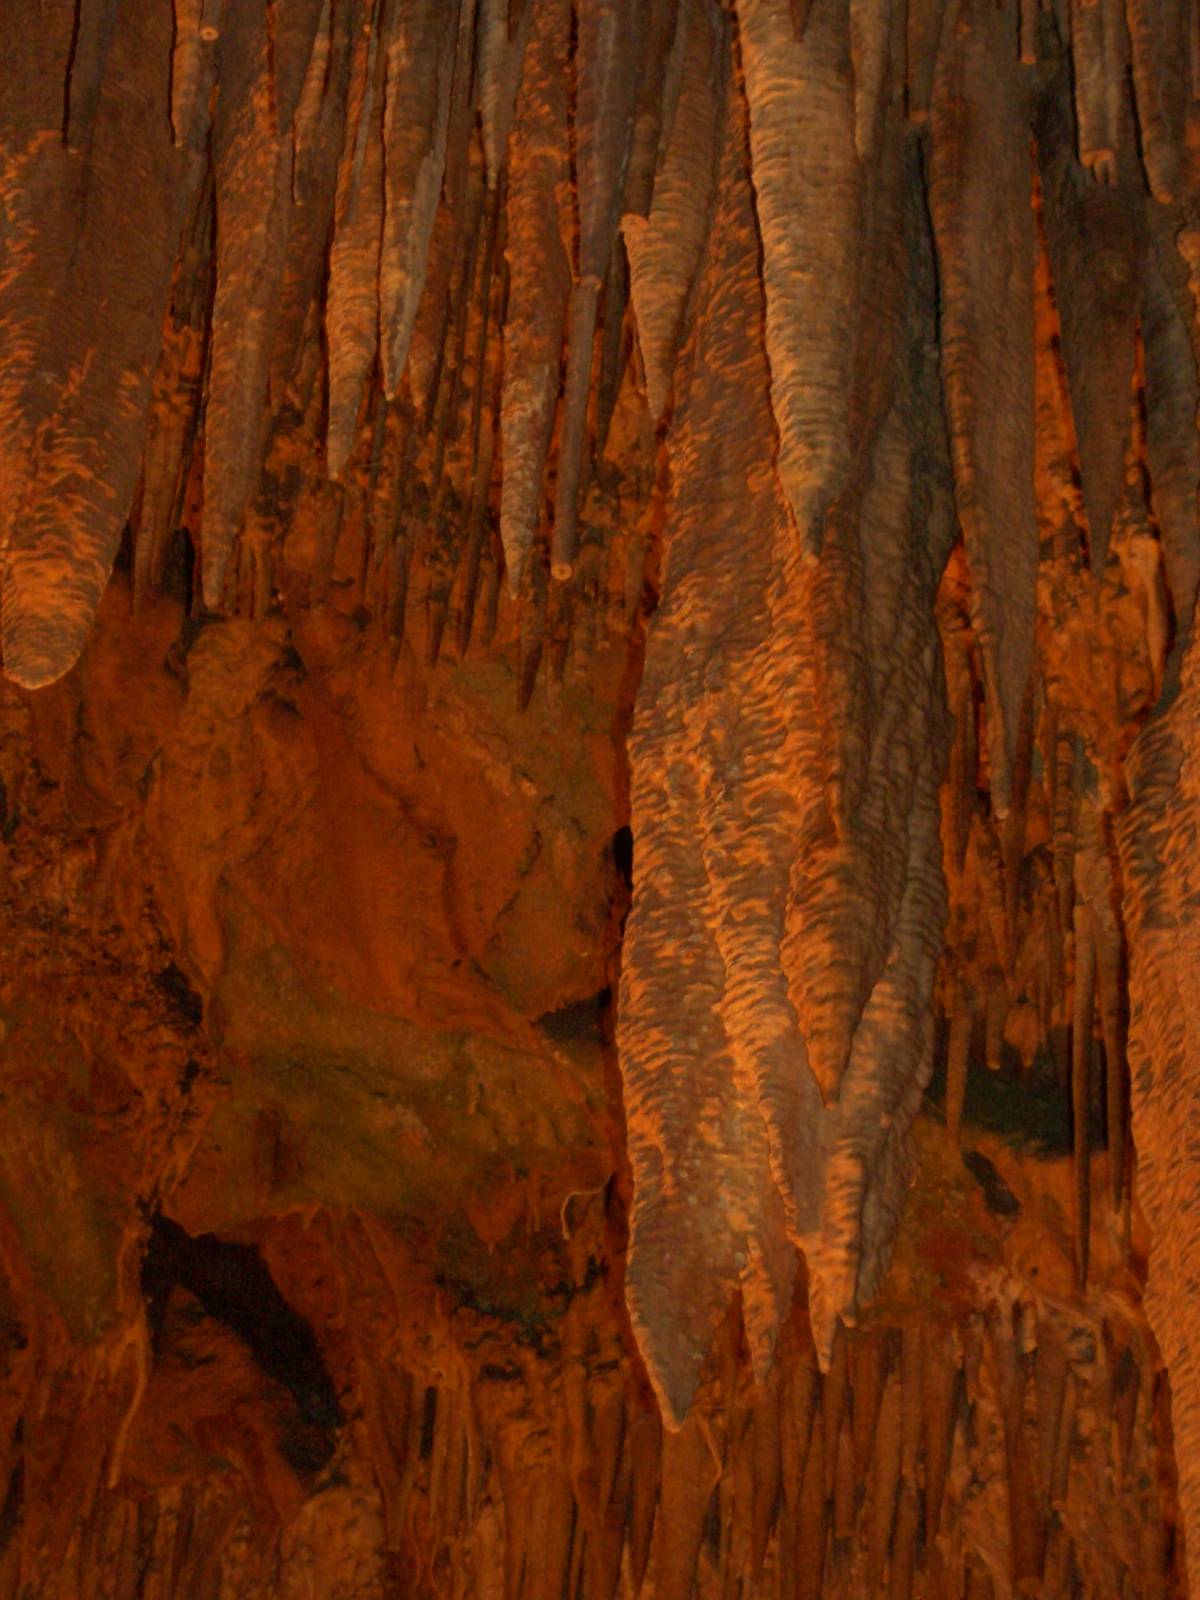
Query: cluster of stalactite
1010, 1448
860, 342
429, 1401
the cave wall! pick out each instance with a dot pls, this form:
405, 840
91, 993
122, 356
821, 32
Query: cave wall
596, 605
315, 1286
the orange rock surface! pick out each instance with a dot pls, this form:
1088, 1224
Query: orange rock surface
597, 812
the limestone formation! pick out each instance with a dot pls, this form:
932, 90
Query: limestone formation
597, 727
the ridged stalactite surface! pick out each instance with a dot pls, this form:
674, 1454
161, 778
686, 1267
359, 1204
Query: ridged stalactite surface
709, 753
808, 193
784, 786
1160, 835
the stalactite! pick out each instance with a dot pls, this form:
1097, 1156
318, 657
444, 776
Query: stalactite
352, 311
962, 1025
1013, 831
800, 1394
1083, 1006
740, 1239
667, 27
312, 94
776, 1022
417, 85
812, 1516
175, 404
1148, 39
1026, 1535
868, 1368
645, 1444
1096, 135
1157, 838
501, 55
1029, 32
688, 1479
197, 28
979, 195
1051, 1378
1110, 988
89, 54
870, 26
299, 367
885, 1477
858, 986
665, 247
615, 349
1127, 1386
1092, 238
446, 408
844, 1485
484, 401
539, 276
261, 77
72, 405
995, 1020
965, 759
808, 216
766, 1471
608, 60
833, 1404
941, 1388
1172, 454
923, 28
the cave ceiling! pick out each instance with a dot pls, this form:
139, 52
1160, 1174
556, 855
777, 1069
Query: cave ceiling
599, 799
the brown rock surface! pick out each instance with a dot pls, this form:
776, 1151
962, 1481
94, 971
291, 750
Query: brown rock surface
596, 799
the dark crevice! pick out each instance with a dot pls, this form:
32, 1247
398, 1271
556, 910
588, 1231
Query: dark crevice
14, 1499
234, 1286
428, 1422
578, 1022
175, 989
999, 1197
622, 855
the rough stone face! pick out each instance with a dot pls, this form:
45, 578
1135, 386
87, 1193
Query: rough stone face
595, 798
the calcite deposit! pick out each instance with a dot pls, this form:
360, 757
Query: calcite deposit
598, 801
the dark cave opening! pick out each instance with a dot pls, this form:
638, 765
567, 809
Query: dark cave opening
233, 1285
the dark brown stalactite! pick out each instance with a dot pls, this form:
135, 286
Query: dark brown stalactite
193, 61
665, 245
539, 269
352, 309
261, 74
175, 402
1091, 231
1081, 1070
419, 72
1171, 447
608, 63
980, 182
71, 415
90, 40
